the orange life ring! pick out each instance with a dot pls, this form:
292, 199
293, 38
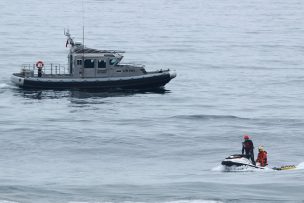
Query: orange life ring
39, 64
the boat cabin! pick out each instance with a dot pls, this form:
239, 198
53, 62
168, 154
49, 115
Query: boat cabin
86, 62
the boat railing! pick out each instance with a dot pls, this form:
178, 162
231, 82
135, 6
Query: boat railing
48, 69
132, 64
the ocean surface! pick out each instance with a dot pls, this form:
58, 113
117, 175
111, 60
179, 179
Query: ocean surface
240, 70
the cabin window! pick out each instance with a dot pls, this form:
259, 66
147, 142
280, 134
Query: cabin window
79, 62
101, 64
89, 63
113, 61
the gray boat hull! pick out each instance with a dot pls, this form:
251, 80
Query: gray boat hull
147, 81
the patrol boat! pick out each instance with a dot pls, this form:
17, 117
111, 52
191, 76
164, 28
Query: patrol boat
90, 69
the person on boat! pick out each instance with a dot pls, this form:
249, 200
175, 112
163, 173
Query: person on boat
262, 157
247, 148
39, 72
39, 65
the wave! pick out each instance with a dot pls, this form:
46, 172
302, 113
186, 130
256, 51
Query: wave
175, 201
259, 121
209, 117
194, 201
254, 67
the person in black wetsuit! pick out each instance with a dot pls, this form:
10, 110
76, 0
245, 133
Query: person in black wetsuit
248, 148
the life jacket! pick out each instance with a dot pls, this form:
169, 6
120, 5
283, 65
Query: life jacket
248, 145
262, 158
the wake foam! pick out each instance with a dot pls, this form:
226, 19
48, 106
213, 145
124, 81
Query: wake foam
222, 168
219, 168
300, 165
6, 201
3, 86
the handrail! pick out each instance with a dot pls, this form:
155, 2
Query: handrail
49, 69
131, 64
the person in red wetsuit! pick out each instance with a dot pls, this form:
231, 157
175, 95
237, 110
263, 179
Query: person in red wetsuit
262, 157
248, 148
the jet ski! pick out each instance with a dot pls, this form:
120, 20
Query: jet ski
240, 160
237, 160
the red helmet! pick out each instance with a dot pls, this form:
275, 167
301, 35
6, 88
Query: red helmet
246, 137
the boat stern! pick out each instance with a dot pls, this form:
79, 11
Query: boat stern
17, 79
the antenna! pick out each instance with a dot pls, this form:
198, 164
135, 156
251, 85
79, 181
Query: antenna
82, 39
83, 23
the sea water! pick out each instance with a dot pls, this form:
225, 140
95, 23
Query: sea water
239, 68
